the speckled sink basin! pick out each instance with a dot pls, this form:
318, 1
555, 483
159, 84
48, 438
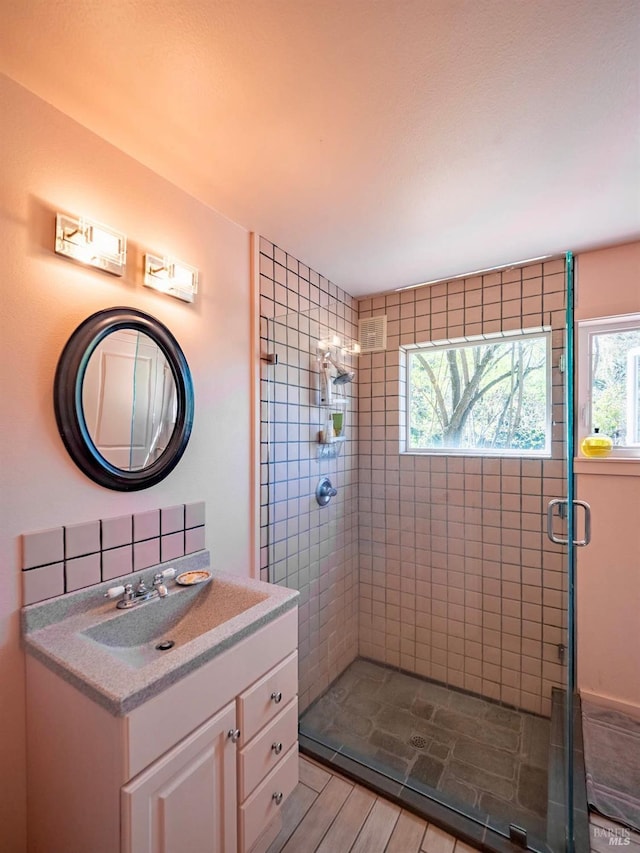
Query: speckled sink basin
185, 614
110, 655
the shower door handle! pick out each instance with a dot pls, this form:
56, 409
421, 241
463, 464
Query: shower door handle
562, 502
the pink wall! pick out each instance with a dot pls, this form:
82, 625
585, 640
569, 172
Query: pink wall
608, 570
51, 163
608, 282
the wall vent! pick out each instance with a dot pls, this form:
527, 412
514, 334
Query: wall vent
372, 332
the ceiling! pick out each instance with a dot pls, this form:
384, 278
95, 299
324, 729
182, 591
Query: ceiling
383, 142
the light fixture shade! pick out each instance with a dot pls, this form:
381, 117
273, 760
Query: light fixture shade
171, 276
91, 243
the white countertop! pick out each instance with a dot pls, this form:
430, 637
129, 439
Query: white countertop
54, 633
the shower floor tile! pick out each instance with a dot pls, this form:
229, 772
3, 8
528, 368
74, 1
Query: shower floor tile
485, 759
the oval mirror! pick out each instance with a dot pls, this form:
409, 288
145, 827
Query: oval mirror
123, 399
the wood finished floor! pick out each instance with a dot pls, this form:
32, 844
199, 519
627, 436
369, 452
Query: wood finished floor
330, 814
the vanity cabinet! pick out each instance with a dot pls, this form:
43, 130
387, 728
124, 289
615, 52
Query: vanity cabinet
203, 766
186, 800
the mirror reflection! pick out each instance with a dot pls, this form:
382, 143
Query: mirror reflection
129, 400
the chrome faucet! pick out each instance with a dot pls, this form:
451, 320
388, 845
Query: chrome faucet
159, 585
132, 598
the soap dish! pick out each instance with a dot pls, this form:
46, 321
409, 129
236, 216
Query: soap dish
191, 578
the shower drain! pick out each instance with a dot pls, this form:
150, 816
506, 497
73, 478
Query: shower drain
417, 741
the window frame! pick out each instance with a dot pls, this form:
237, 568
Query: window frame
477, 340
585, 330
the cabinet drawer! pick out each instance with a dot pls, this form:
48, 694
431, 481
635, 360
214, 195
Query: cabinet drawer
154, 727
268, 748
263, 805
258, 705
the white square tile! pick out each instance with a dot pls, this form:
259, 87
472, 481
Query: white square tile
171, 546
146, 554
171, 519
117, 531
117, 562
42, 547
194, 514
81, 539
42, 583
266, 248
82, 571
146, 525
266, 266
194, 540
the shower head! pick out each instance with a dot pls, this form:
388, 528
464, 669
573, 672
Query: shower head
343, 376
343, 373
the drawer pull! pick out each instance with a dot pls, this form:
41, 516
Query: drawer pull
277, 748
278, 797
277, 697
234, 735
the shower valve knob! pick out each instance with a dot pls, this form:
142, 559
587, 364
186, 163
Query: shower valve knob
325, 491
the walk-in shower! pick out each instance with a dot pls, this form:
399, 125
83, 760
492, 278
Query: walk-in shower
435, 648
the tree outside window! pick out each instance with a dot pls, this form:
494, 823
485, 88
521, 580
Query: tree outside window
609, 381
487, 397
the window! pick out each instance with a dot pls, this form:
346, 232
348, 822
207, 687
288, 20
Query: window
486, 397
609, 381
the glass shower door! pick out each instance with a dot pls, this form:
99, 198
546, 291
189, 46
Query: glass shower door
567, 794
455, 573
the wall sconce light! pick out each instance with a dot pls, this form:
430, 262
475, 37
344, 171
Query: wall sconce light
91, 243
171, 276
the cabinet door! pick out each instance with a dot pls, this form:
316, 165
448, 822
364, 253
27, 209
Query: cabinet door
186, 800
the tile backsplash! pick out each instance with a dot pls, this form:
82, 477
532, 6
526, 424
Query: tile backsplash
63, 559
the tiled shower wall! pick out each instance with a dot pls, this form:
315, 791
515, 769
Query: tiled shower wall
458, 581
304, 546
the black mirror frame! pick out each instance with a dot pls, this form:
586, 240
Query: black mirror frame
67, 395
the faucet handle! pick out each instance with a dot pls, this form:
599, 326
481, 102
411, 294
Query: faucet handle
114, 592
325, 491
161, 577
159, 581
125, 591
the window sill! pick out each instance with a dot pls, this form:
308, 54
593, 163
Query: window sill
477, 454
619, 466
